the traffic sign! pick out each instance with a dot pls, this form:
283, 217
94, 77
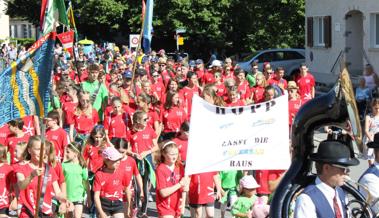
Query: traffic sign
180, 40
133, 40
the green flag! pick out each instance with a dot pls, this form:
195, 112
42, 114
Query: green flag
55, 12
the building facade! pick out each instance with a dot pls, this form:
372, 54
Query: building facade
333, 27
19, 28
4, 22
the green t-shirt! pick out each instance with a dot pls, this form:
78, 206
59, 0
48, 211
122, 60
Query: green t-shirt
230, 179
101, 97
75, 175
57, 104
243, 205
251, 79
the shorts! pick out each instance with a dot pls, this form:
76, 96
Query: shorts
78, 203
210, 204
111, 207
4, 211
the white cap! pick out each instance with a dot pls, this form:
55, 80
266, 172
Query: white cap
216, 63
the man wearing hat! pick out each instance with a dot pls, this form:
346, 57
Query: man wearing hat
370, 178
216, 66
294, 101
325, 198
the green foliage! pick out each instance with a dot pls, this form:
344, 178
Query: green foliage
233, 25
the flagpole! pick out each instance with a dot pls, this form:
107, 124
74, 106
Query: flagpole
40, 165
138, 48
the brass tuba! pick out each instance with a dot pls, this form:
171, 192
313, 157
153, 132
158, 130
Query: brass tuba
337, 108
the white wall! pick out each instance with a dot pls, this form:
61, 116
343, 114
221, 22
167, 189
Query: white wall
323, 58
4, 22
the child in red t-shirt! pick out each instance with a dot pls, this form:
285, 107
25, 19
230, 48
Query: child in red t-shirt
95, 144
56, 134
109, 185
5, 182
27, 182
182, 141
116, 123
17, 135
129, 166
170, 182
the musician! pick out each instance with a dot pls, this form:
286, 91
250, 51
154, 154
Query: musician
370, 178
324, 198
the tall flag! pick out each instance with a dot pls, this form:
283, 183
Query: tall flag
24, 86
67, 40
71, 19
52, 11
143, 9
148, 26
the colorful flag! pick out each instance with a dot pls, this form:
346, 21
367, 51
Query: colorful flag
67, 40
54, 11
25, 85
71, 18
148, 26
143, 9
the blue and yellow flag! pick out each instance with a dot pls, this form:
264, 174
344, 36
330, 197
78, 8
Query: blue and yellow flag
25, 85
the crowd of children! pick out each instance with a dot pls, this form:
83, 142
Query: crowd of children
113, 136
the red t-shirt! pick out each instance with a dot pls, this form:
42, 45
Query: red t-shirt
129, 166
110, 185
116, 124
208, 78
275, 81
239, 102
182, 147
258, 93
201, 189
221, 90
4, 133
187, 94
29, 127
11, 143
159, 89
244, 90
173, 118
306, 84
167, 178
263, 177
28, 196
141, 141
59, 138
84, 123
68, 108
6, 173
153, 116
92, 154
293, 108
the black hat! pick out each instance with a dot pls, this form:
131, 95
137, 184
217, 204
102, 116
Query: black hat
375, 143
334, 152
141, 72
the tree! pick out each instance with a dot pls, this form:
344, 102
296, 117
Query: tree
230, 25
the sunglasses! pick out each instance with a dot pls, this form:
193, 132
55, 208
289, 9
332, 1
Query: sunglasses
156, 75
346, 170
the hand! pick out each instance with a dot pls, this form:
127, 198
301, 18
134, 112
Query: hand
37, 172
144, 154
89, 202
142, 197
70, 206
250, 214
138, 156
62, 208
218, 195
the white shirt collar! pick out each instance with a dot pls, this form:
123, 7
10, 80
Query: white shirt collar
328, 191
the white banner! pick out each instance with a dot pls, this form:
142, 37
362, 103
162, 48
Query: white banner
238, 138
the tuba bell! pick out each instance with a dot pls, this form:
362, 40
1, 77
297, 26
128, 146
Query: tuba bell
337, 108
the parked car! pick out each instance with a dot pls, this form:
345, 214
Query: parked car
289, 58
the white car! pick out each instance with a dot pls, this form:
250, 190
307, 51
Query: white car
288, 58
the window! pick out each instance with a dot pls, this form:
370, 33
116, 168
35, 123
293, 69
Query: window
24, 31
319, 32
291, 55
374, 30
30, 31
266, 57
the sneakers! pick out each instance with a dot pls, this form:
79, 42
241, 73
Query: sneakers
150, 198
